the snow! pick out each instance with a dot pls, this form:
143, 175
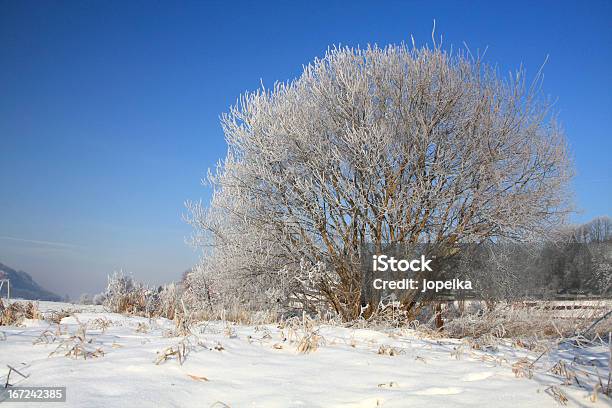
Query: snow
251, 366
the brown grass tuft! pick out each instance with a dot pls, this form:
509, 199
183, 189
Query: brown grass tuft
78, 346
14, 313
179, 351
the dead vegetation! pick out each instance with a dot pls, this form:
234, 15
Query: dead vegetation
230, 331
183, 321
523, 368
142, 328
483, 331
100, 323
540, 327
15, 313
125, 295
387, 350
391, 384
233, 311
302, 331
198, 377
46, 337
557, 394
309, 343
56, 316
527, 319
78, 346
178, 351
303, 335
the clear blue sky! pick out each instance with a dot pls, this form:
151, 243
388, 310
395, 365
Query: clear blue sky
109, 110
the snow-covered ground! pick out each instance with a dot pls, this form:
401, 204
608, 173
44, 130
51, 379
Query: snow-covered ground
259, 366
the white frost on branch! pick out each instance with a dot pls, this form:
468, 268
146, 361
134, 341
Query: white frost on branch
396, 144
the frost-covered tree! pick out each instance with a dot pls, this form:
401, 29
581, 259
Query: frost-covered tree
371, 146
598, 230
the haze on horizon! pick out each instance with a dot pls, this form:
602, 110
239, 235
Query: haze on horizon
110, 110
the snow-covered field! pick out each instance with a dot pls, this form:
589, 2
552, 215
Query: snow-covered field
259, 366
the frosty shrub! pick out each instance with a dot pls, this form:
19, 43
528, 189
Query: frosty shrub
531, 319
124, 295
167, 302
85, 299
239, 304
99, 299
370, 146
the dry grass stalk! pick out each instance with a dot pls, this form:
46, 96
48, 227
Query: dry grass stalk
593, 396
309, 343
266, 333
182, 328
303, 332
179, 351
391, 384
219, 404
561, 369
484, 343
487, 358
14, 313
458, 352
183, 321
419, 358
78, 345
197, 377
388, 350
230, 332
536, 320
557, 394
46, 337
523, 368
142, 328
100, 323
60, 331
79, 350
56, 316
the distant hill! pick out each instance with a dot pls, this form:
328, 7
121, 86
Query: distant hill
23, 286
